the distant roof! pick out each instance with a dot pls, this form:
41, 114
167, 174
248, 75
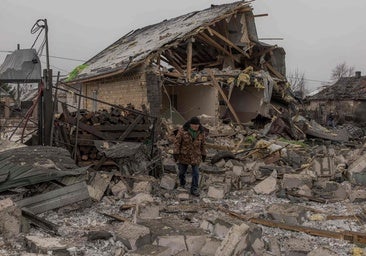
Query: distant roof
345, 88
21, 66
133, 48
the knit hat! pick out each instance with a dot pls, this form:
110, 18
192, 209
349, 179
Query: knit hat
194, 120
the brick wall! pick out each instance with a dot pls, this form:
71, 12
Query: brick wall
120, 90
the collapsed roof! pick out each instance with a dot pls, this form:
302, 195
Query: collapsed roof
152, 41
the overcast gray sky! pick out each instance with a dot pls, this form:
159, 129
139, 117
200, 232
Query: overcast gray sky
318, 34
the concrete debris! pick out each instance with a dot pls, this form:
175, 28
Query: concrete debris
133, 236
260, 195
46, 245
290, 214
10, 219
267, 186
168, 182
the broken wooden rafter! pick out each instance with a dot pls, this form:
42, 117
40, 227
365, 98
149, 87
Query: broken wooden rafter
44, 224
351, 236
55, 199
205, 38
218, 87
274, 71
227, 41
114, 216
260, 15
189, 59
172, 62
131, 127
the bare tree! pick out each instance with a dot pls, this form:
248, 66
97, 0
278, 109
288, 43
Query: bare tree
342, 70
297, 82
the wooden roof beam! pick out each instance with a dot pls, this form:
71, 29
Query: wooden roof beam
227, 41
204, 37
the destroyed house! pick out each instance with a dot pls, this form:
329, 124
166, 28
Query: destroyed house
205, 62
346, 99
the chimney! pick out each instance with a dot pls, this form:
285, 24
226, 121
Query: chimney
358, 74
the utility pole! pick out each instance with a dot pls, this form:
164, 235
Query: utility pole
18, 86
46, 104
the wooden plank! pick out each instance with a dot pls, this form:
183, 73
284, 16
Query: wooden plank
274, 71
130, 128
260, 15
99, 185
213, 43
172, 62
226, 40
55, 199
355, 237
189, 59
115, 216
44, 224
218, 87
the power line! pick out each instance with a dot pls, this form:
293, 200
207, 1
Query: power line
56, 57
311, 80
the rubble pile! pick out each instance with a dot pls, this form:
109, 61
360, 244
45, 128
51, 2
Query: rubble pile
260, 195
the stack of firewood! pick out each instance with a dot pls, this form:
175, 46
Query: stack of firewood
115, 125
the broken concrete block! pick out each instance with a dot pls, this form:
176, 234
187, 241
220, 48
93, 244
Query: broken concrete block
168, 182
183, 196
216, 191
289, 214
133, 236
175, 242
45, 245
333, 190
221, 163
357, 196
169, 165
152, 250
148, 211
304, 190
207, 226
267, 186
141, 198
120, 189
221, 228
291, 181
98, 235
238, 170
296, 246
236, 236
323, 251
99, 185
357, 171
184, 253
10, 219
229, 164
248, 178
210, 247
195, 243
142, 187
258, 247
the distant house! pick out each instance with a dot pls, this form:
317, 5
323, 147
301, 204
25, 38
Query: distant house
168, 67
346, 99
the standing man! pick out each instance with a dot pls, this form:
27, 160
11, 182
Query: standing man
189, 149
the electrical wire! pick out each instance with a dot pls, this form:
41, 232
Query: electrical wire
37, 27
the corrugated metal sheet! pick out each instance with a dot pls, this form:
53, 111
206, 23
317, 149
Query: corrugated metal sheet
137, 45
32, 165
21, 66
